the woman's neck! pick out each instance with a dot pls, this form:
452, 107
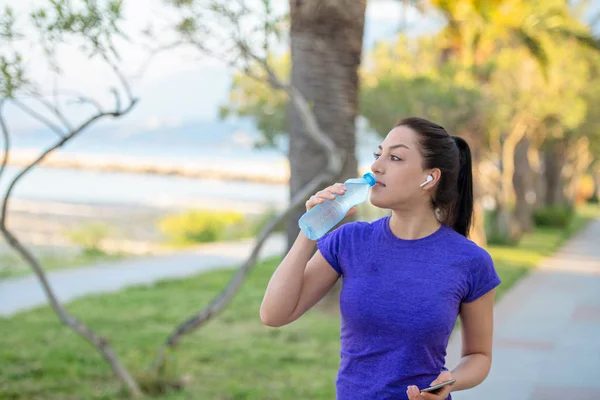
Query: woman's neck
411, 224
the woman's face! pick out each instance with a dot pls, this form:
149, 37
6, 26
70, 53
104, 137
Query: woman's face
398, 169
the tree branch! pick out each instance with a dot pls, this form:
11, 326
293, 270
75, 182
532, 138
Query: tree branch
99, 342
220, 302
55, 109
334, 166
65, 139
6, 137
40, 118
120, 75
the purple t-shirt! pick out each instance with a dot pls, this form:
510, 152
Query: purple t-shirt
399, 303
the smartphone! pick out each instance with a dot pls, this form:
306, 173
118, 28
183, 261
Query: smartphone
435, 388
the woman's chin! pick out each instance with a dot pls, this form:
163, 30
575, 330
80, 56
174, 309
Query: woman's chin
377, 201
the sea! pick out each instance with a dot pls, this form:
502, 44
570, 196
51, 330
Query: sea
215, 145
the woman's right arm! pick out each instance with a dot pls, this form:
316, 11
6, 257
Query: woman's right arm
300, 281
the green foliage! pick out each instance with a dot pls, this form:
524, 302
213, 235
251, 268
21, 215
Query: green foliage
95, 22
198, 226
410, 85
553, 216
256, 99
92, 25
203, 226
90, 237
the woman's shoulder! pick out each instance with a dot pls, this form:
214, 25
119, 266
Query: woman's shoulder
466, 247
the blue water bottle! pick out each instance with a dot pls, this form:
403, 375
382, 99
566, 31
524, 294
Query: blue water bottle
321, 218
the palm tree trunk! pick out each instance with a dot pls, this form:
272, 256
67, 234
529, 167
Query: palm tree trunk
555, 158
505, 222
524, 182
326, 48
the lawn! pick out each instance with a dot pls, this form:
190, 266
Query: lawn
233, 357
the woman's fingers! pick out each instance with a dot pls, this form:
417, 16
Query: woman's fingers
326, 194
413, 393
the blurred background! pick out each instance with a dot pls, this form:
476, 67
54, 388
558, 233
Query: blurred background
171, 143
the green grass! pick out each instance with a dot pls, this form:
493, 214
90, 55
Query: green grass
233, 357
11, 265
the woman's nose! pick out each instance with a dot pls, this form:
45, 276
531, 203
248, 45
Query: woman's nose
376, 167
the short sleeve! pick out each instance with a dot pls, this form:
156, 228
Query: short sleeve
482, 277
330, 244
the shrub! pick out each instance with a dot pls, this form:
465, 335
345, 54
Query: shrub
198, 226
89, 237
553, 216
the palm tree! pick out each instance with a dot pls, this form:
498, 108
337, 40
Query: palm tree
326, 46
475, 29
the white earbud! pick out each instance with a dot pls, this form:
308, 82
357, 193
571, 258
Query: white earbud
429, 179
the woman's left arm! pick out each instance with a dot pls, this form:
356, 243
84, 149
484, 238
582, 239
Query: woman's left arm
477, 325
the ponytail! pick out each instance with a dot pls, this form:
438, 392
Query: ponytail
463, 210
451, 154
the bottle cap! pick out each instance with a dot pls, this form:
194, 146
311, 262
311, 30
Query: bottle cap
370, 178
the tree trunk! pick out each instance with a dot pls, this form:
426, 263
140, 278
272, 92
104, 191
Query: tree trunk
555, 158
326, 47
506, 225
474, 137
596, 178
578, 161
524, 182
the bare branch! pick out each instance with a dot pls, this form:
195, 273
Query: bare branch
308, 117
6, 139
77, 97
54, 108
334, 166
153, 53
119, 74
89, 100
224, 298
115, 93
65, 139
39, 117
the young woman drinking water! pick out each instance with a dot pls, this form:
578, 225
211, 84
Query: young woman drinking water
407, 277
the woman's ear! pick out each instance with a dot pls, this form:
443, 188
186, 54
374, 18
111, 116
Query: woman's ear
432, 178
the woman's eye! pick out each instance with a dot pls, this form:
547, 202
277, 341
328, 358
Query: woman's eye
394, 158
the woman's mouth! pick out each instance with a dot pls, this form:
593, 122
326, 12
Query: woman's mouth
379, 184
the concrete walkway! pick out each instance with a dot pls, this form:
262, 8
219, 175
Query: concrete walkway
21, 294
547, 330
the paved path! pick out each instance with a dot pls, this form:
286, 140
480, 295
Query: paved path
21, 294
547, 330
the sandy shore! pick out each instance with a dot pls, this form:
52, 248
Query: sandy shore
133, 228
263, 172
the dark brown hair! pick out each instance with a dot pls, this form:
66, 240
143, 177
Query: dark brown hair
452, 155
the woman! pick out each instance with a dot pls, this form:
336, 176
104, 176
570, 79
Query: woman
406, 277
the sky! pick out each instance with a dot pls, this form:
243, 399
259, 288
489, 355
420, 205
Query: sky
177, 87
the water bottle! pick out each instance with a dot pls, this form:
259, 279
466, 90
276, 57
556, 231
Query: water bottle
321, 218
